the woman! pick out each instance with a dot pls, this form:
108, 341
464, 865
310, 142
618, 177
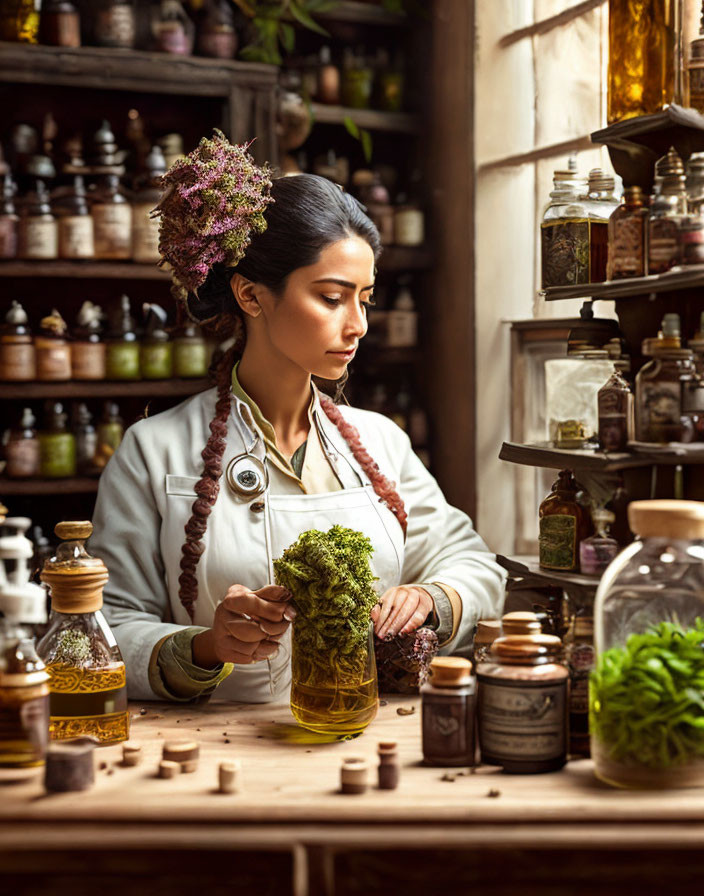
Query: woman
286, 269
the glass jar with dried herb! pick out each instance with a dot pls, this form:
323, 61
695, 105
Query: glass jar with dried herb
88, 685
647, 688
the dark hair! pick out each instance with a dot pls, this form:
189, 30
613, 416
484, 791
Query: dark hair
308, 214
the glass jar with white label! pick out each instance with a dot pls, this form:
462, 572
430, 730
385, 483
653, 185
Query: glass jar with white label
522, 704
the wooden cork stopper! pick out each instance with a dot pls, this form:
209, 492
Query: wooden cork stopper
78, 590
522, 622
169, 769
131, 753
353, 775
74, 530
388, 769
185, 752
70, 765
230, 776
450, 671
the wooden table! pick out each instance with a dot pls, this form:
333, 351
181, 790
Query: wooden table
443, 831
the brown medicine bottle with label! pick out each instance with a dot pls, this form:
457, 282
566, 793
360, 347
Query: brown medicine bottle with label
564, 522
18, 359
112, 220
22, 455
53, 349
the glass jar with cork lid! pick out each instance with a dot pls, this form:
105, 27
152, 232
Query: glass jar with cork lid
522, 704
88, 685
647, 689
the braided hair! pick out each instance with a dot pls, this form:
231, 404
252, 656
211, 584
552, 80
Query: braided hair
308, 214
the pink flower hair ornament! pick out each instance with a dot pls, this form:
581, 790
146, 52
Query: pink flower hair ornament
214, 200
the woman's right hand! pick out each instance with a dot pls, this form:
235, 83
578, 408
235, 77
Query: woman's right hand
247, 627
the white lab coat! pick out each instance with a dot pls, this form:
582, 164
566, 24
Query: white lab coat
145, 498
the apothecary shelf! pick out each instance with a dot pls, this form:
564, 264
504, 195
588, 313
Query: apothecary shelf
102, 389
75, 486
545, 455
691, 277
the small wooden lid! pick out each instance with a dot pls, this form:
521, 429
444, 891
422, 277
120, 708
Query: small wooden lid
527, 647
488, 630
450, 671
667, 519
74, 530
522, 622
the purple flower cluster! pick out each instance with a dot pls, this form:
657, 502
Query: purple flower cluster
214, 200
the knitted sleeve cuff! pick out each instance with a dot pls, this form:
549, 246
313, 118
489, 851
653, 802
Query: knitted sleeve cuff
174, 676
441, 619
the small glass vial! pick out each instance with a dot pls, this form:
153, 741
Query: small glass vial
564, 523
190, 352
9, 219
60, 24
402, 321
145, 228
53, 349
24, 690
112, 220
111, 430
86, 441
57, 445
615, 404
172, 29
22, 455
627, 231
488, 630
115, 24
76, 224
38, 229
448, 703
18, 357
88, 684
597, 551
88, 351
155, 349
122, 358
522, 705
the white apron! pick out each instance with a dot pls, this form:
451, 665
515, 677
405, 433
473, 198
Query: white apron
245, 536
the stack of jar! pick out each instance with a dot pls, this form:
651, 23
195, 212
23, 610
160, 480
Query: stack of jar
60, 448
654, 237
53, 354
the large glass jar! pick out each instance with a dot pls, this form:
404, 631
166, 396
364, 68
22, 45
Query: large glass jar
647, 690
660, 385
88, 684
341, 702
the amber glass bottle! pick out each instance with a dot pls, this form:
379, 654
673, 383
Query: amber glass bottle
564, 522
643, 75
88, 684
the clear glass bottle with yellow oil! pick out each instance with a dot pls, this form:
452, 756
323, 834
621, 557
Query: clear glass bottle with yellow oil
646, 70
87, 680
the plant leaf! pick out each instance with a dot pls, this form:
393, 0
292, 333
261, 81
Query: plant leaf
303, 16
351, 127
366, 139
287, 35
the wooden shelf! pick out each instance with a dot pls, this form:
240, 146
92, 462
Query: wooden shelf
84, 270
134, 70
544, 455
690, 277
79, 485
370, 119
529, 571
658, 132
361, 14
102, 389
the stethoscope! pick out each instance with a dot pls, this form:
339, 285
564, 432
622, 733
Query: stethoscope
247, 475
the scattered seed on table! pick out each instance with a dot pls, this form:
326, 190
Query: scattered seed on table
494, 793
448, 777
406, 710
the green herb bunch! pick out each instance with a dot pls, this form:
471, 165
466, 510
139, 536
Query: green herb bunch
329, 576
646, 700
73, 649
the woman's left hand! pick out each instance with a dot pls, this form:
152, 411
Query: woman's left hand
402, 609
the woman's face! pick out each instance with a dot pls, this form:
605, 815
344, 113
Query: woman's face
322, 314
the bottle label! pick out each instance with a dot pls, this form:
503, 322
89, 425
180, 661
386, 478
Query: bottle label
564, 252
41, 237
113, 230
628, 247
660, 411
156, 360
409, 227
53, 360
23, 460
88, 360
17, 361
522, 719
115, 26
402, 329
76, 237
122, 361
190, 359
663, 244
558, 541
145, 234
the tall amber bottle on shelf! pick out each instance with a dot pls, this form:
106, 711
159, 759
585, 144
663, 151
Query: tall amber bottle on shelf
88, 684
646, 70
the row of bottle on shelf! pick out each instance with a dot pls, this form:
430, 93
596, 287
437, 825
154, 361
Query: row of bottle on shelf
52, 354
590, 401
164, 26
577, 535
588, 235
62, 448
